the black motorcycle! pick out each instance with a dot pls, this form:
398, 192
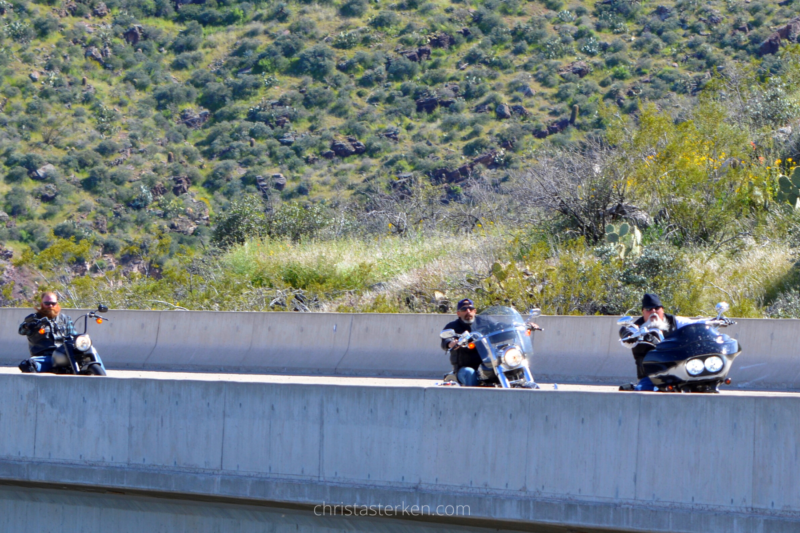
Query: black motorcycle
695, 358
503, 341
77, 355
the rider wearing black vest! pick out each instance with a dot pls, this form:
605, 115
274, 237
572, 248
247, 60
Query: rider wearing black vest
653, 311
46, 330
465, 360
640, 350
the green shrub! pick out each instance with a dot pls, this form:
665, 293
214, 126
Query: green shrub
295, 220
353, 8
244, 220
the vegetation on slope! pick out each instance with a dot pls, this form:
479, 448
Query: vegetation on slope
384, 156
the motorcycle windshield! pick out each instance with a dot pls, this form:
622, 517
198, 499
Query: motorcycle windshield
691, 341
501, 326
495, 319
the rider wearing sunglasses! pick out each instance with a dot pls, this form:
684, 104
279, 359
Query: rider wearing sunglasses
652, 314
46, 330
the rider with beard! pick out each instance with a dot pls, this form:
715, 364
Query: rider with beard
46, 330
465, 360
653, 315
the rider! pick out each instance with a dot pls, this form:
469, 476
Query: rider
465, 360
46, 330
653, 313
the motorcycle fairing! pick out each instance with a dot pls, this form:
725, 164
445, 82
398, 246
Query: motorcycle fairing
666, 363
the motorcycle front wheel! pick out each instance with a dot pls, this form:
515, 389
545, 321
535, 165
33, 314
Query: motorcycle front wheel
95, 369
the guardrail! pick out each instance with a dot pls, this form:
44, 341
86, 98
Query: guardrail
572, 349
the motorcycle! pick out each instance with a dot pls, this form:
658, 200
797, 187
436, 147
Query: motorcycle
77, 355
504, 342
695, 358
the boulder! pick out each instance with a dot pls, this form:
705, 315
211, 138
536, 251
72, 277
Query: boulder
358, 146
558, 126
526, 91
392, 133
158, 190
34, 76
194, 119
443, 40
262, 186
100, 10
279, 181
45, 172
427, 105
183, 226
771, 45
93, 53
579, 68
180, 185
663, 12
791, 30
134, 34
519, 110
342, 149
502, 111
486, 159
48, 193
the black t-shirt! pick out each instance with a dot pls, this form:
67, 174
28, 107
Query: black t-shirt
461, 357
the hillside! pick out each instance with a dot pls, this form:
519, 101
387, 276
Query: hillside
128, 128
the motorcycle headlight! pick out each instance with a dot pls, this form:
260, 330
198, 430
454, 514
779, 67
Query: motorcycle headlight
513, 358
695, 367
83, 343
714, 364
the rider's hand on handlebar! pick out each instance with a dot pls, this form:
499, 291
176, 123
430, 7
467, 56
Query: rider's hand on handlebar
534, 327
452, 344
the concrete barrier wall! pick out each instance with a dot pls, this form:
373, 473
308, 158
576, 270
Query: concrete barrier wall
622, 461
26, 509
572, 349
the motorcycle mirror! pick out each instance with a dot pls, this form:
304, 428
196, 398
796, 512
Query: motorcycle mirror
625, 321
447, 334
722, 308
102, 308
533, 313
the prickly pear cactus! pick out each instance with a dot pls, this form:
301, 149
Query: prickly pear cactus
626, 238
789, 189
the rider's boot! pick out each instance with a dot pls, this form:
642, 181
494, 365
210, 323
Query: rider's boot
27, 367
645, 385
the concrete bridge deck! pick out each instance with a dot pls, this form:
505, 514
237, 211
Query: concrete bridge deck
589, 460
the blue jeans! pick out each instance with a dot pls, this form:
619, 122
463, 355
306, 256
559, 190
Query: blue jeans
43, 363
645, 385
466, 376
